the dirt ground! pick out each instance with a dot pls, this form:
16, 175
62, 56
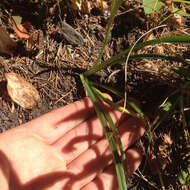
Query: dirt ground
53, 65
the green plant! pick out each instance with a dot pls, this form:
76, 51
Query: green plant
97, 97
184, 178
151, 6
166, 109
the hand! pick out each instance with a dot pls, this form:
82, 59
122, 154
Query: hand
65, 149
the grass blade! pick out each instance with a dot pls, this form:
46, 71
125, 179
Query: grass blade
114, 105
108, 133
110, 89
149, 56
114, 8
171, 39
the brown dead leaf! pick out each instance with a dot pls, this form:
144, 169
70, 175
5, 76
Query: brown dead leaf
102, 5
21, 92
170, 4
21, 31
86, 7
18, 27
6, 43
167, 139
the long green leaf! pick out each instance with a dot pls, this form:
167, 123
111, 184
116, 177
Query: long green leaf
181, 1
111, 124
149, 56
157, 56
108, 134
114, 8
172, 39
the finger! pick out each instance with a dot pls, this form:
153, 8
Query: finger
107, 179
80, 138
55, 124
98, 157
4, 172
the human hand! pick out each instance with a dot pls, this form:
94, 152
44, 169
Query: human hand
65, 150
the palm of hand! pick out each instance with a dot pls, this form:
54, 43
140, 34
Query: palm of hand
64, 149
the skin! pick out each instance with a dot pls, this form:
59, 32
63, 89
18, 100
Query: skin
65, 150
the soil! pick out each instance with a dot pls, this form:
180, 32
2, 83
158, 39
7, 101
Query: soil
54, 62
